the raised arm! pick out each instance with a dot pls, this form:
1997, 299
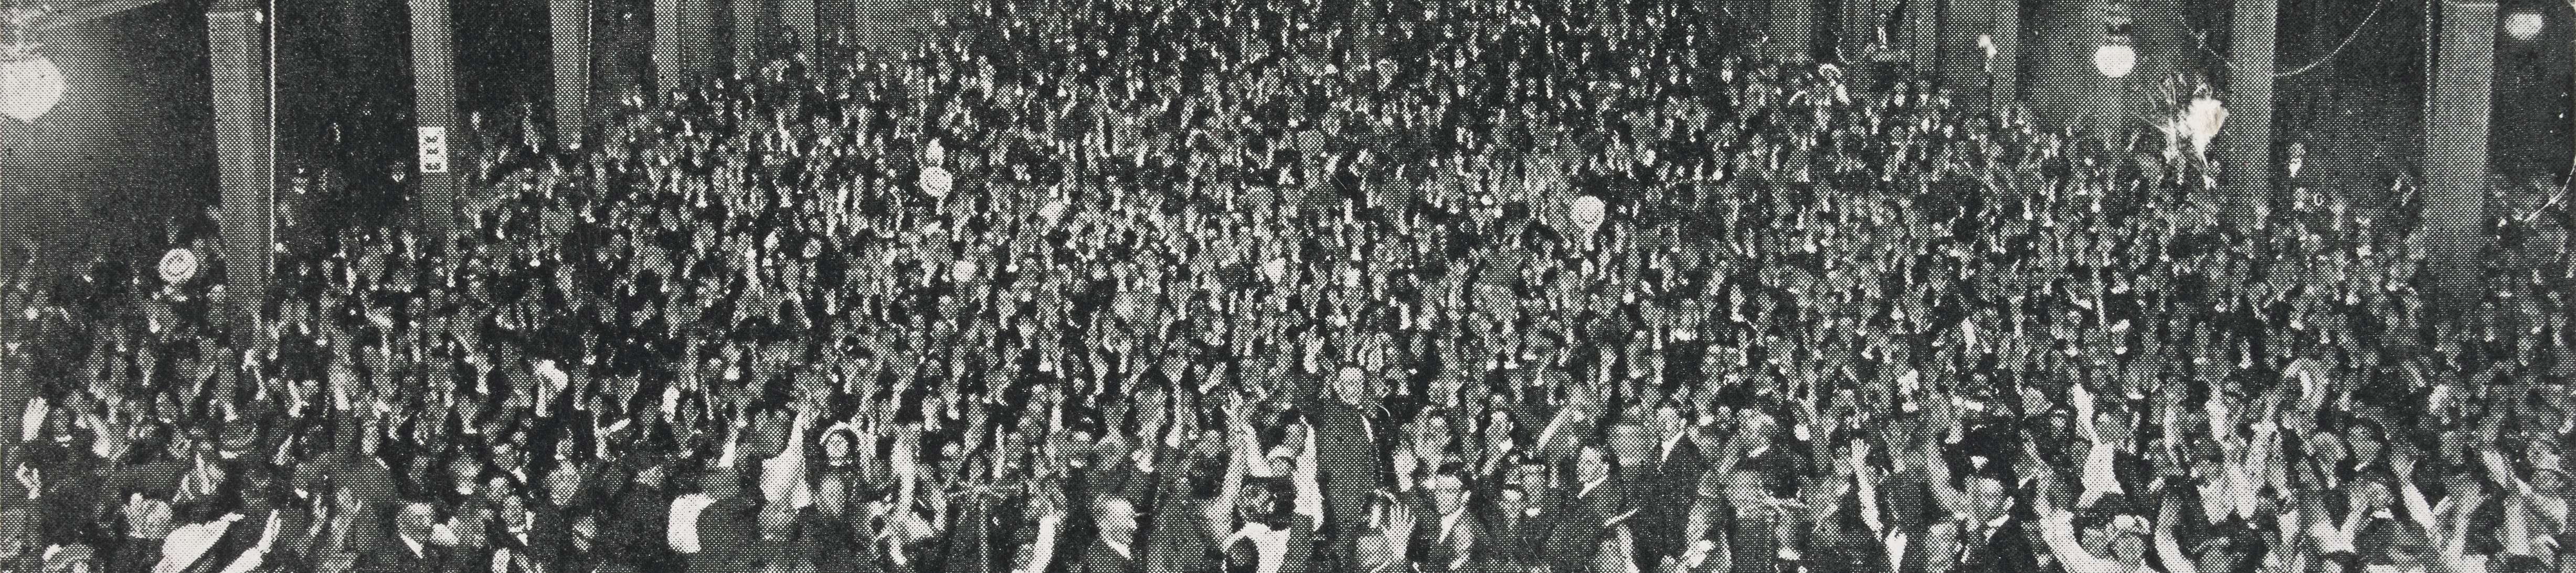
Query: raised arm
1944, 489
2169, 547
1042, 552
2082, 399
2455, 538
2057, 528
1220, 512
2403, 466
1867, 480
1310, 488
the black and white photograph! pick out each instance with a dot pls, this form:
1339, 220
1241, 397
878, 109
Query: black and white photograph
1287, 286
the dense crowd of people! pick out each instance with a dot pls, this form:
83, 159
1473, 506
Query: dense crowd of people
1289, 286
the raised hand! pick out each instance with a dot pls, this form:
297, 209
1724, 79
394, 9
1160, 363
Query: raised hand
1384, 550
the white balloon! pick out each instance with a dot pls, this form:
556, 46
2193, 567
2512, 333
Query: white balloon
178, 265
1587, 211
937, 182
1053, 212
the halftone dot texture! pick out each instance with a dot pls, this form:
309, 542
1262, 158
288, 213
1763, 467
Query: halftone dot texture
131, 144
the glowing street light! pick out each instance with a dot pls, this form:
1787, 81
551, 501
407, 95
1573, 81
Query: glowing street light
2523, 25
2115, 58
30, 83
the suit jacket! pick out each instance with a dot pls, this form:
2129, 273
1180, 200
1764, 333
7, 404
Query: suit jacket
1572, 530
1442, 551
1100, 558
2007, 550
1350, 465
1176, 539
393, 556
1518, 539
1672, 488
550, 539
729, 538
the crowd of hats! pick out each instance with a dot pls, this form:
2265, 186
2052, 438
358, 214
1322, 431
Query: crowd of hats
1292, 285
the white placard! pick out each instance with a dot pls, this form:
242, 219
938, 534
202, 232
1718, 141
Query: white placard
433, 149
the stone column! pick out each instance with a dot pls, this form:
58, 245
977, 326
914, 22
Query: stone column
1791, 25
622, 52
441, 164
570, 20
683, 40
798, 15
755, 25
2245, 145
237, 38
2455, 146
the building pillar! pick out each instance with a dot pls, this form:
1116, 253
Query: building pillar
798, 15
2245, 145
1791, 26
2456, 175
570, 26
754, 23
237, 37
683, 44
441, 164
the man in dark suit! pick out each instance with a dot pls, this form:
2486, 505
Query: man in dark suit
724, 536
1672, 473
1522, 504
1991, 533
409, 549
1456, 543
1351, 463
1572, 534
1114, 550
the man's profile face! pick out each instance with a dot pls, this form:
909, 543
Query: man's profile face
1592, 465
1448, 494
1989, 495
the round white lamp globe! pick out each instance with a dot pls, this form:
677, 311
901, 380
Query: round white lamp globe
2115, 60
2523, 25
29, 87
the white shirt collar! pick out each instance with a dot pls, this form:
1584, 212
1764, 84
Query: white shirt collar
1589, 485
1674, 441
417, 551
1449, 523
1121, 548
